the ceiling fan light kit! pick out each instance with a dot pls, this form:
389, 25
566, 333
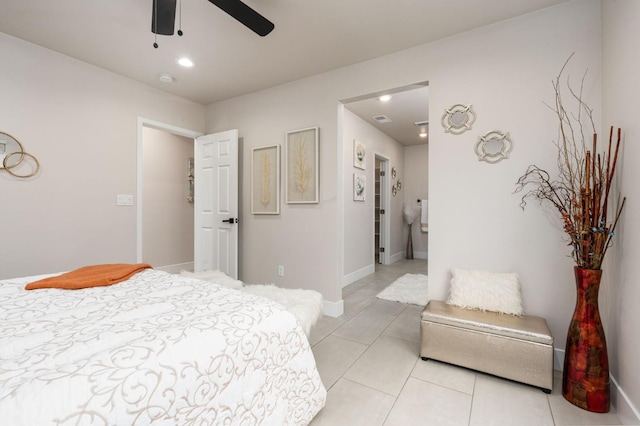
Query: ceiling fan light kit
163, 17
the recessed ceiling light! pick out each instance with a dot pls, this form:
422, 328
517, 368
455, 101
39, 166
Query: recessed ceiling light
384, 98
166, 78
186, 62
423, 134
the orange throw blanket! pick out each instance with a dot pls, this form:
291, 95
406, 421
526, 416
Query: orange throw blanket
91, 276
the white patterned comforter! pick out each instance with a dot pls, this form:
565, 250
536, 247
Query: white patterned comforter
157, 348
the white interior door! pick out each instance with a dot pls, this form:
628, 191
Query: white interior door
216, 203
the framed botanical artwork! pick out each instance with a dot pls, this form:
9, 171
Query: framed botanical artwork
265, 180
302, 171
359, 155
359, 186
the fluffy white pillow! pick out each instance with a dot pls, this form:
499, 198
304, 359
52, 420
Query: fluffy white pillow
487, 291
217, 277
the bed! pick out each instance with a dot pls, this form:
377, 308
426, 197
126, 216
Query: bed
157, 348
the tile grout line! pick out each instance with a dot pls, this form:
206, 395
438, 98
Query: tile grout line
473, 397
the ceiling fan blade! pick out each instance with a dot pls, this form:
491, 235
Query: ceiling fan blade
246, 16
163, 17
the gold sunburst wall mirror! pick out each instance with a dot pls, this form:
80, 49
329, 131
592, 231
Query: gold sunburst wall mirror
458, 119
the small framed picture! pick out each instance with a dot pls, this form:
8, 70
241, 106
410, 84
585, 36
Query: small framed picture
359, 186
302, 171
265, 180
359, 155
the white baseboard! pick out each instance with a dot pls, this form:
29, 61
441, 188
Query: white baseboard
558, 359
401, 255
626, 411
355, 276
175, 269
420, 255
333, 309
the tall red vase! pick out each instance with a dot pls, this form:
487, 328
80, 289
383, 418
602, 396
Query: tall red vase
585, 381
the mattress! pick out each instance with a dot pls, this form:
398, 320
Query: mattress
158, 348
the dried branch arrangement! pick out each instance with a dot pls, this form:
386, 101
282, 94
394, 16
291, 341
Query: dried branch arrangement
582, 189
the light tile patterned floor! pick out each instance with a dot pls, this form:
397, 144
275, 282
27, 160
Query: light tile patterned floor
369, 362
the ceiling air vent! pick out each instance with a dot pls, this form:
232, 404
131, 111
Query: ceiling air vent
422, 123
382, 119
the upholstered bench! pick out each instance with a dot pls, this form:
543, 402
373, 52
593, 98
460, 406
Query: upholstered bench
518, 348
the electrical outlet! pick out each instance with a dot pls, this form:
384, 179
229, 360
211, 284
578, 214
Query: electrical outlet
124, 200
281, 270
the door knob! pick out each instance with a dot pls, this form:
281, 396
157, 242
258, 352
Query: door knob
230, 220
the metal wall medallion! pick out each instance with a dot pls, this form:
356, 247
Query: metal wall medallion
458, 119
15, 160
494, 146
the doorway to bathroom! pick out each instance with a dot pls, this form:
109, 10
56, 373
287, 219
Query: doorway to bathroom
389, 129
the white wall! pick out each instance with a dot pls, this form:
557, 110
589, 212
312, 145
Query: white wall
80, 121
302, 237
359, 216
475, 219
505, 71
167, 217
415, 186
620, 291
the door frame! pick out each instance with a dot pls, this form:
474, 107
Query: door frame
385, 203
146, 122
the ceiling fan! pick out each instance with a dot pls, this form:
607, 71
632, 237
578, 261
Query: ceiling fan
164, 16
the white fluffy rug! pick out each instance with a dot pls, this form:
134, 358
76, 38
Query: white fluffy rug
305, 305
409, 288
217, 277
